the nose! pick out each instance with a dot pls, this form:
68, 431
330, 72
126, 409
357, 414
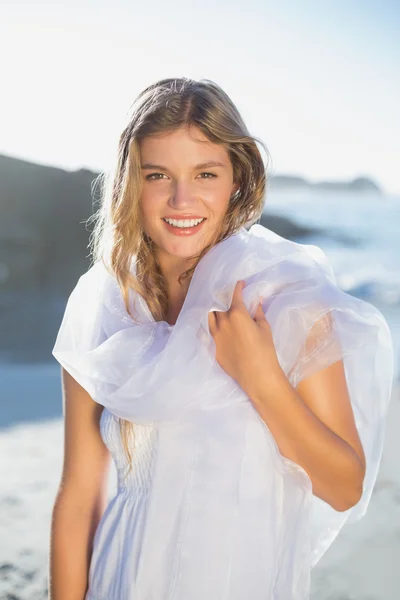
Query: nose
181, 196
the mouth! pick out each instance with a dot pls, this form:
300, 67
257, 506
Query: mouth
184, 226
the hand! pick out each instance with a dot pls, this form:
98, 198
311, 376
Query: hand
244, 346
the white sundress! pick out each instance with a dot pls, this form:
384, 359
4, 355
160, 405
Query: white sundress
212, 510
119, 534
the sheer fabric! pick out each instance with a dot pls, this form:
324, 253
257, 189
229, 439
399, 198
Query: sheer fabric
227, 516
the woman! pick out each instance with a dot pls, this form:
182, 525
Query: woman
240, 392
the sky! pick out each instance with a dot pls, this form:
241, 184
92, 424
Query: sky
318, 82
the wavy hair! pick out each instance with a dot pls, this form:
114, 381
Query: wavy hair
118, 233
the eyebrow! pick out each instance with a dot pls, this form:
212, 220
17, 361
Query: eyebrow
206, 165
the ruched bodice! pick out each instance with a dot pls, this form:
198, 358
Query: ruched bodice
142, 442
120, 533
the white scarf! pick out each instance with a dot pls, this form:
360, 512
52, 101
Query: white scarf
228, 517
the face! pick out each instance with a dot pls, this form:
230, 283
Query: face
187, 184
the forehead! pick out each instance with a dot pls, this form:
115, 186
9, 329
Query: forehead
182, 142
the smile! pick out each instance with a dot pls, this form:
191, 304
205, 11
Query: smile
184, 226
184, 223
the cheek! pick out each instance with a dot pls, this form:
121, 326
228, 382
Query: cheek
217, 202
151, 204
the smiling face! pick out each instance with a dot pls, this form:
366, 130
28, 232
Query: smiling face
187, 180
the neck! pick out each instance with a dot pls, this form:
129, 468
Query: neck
171, 268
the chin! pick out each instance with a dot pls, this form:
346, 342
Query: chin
181, 247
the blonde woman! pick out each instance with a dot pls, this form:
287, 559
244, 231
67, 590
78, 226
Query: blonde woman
240, 392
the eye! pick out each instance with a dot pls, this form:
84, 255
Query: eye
211, 175
152, 175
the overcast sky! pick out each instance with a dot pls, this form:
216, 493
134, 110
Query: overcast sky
319, 82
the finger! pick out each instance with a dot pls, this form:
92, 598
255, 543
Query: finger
212, 322
237, 299
259, 315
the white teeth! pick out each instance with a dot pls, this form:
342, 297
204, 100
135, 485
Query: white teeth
182, 223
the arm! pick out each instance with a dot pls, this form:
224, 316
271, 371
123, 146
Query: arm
313, 422
81, 497
313, 425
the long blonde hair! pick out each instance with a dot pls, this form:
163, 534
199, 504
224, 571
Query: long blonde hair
163, 107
